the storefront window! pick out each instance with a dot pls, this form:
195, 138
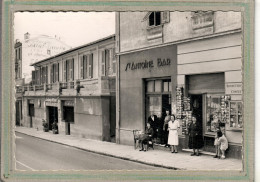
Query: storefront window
150, 86
236, 115
155, 105
167, 86
158, 86
213, 112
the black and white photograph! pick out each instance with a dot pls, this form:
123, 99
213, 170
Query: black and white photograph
152, 91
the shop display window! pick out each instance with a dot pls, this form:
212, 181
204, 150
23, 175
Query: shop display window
155, 105
236, 119
213, 113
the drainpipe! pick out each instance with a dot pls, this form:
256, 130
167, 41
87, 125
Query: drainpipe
117, 42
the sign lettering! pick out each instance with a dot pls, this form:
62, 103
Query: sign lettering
147, 64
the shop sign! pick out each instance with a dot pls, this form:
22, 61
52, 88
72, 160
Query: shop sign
148, 64
68, 103
233, 88
51, 102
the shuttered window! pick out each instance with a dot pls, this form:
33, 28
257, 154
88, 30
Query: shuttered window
33, 77
113, 61
103, 64
72, 69
81, 67
65, 78
85, 66
90, 66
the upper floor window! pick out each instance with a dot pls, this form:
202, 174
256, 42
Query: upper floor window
49, 52
44, 74
86, 66
55, 72
155, 18
108, 62
68, 70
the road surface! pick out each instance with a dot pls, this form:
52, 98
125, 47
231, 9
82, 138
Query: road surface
36, 154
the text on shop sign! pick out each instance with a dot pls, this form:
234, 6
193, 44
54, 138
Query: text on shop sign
234, 88
147, 64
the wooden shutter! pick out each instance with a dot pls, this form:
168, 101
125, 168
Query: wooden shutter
81, 67
113, 61
165, 17
85, 66
46, 74
90, 66
33, 77
103, 64
107, 61
65, 71
58, 72
72, 69
52, 73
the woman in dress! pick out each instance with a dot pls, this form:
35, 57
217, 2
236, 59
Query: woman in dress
173, 139
195, 137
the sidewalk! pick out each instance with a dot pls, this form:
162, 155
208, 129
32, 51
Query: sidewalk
179, 161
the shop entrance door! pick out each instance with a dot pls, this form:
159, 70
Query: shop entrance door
68, 117
53, 116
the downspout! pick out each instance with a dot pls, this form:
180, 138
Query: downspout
118, 80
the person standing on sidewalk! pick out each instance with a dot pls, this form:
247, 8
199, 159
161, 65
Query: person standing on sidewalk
153, 120
173, 138
195, 137
165, 128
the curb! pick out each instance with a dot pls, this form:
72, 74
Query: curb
106, 154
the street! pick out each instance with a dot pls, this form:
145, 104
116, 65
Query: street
36, 154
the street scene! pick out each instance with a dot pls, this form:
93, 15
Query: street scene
153, 90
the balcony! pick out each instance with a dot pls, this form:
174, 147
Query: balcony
87, 87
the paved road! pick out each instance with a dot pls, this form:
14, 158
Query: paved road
37, 154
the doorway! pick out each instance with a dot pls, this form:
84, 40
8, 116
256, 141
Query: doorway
197, 108
68, 113
53, 115
31, 114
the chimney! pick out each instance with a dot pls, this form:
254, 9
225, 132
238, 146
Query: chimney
26, 36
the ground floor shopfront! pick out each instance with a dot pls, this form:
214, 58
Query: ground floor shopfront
86, 117
201, 77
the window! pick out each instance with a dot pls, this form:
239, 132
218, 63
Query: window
86, 66
236, 119
108, 63
68, 70
49, 52
54, 72
44, 75
155, 19
213, 112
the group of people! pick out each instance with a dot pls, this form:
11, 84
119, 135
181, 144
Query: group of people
169, 135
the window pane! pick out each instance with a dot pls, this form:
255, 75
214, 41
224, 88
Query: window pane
151, 19
165, 86
158, 18
158, 86
150, 86
170, 86
213, 113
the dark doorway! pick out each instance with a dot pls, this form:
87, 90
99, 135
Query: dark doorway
31, 114
53, 116
68, 113
166, 103
197, 108
112, 118
18, 119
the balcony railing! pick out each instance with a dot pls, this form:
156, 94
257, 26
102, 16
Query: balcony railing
39, 87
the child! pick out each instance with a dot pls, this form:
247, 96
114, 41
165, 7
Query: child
222, 145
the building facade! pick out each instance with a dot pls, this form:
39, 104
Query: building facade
187, 62
28, 51
37, 48
76, 89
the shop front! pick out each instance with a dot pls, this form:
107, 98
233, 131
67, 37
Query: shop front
147, 81
210, 87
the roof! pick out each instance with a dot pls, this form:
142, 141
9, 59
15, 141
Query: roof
74, 49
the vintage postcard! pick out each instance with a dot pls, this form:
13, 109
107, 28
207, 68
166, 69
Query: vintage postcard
127, 91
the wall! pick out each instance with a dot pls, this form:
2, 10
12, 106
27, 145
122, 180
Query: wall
131, 87
133, 28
